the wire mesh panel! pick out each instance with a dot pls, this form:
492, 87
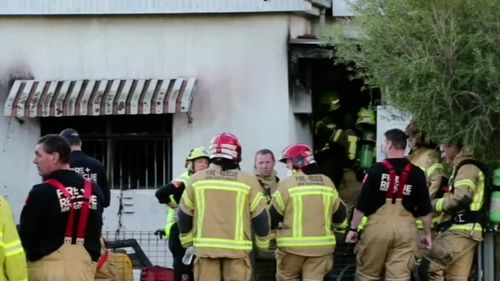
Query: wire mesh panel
143, 248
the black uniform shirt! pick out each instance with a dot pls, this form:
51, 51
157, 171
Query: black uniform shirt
43, 225
415, 194
91, 169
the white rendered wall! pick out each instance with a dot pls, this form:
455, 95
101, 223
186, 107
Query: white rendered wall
240, 63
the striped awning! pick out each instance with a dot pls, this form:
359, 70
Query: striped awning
34, 98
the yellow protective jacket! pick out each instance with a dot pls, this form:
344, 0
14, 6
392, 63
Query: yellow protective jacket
469, 188
12, 258
222, 204
171, 220
427, 159
307, 203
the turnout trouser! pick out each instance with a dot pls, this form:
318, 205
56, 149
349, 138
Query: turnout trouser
450, 258
227, 269
292, 267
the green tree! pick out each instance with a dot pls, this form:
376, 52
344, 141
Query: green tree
439, 60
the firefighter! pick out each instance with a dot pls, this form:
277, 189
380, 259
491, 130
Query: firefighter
218, 210
265, 173
85, 165
61, 220
425, 155
92, 169
393, 194
329, 154
197, 160
13, 259
306, 204
452, 253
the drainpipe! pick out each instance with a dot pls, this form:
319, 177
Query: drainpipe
322, 13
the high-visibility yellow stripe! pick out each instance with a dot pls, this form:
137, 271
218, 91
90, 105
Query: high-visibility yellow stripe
187, 201
238, 227
439, 204
14, 251
327, 203
431, 169
353, 142
363, 223
478, 198
336, 136
222, 243
279, 201
200, 204
465, 183
296, 217
221, 184
310, 241
310, 188
256, 201
261, 243
186, 238
469, 227
305, 192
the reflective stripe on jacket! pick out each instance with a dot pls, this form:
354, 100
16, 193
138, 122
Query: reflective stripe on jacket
222, 204
12, 257
307, 203
171, 220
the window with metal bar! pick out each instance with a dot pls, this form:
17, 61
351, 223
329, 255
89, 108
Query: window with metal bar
135, 150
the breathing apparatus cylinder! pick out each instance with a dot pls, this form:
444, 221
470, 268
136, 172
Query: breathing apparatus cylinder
495, 200
367, 150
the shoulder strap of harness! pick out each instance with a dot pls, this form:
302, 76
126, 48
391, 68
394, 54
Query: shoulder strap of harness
403, 179
82, 223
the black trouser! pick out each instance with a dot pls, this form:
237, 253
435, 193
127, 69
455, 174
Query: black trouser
174, 244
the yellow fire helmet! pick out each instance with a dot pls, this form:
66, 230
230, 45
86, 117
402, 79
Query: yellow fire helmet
197, 152
366, 116
330, 100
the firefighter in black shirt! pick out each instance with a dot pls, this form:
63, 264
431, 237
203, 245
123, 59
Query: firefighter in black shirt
61, 220
394, 193
85, 165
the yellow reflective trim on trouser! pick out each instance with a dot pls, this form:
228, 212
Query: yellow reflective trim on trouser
256, 201
221, 185
222, 243
279, 201
353, 142
200, 205
431, 169
439, 204
310, 241
261, 243
238, 228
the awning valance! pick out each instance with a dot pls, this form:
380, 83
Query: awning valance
35, 98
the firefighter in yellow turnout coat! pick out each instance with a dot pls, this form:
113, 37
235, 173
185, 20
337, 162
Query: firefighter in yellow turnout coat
170, 194
12, 257
217, 211
452, 253
306, 203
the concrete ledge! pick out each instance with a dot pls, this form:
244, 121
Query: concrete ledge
97, 7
